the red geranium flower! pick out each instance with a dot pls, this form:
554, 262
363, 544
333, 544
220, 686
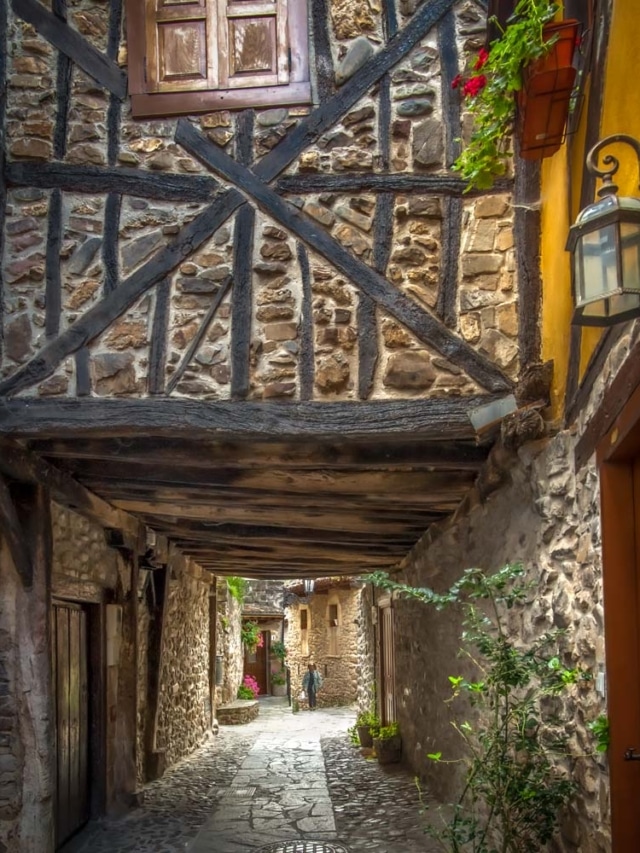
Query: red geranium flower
457, 80
474, 86
483, 55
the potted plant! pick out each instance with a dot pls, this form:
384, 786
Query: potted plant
278, 683
513, 62
249, 689
388, 744
367, 724
251, 636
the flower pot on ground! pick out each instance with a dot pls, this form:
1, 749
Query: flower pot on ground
278, 684
545, 98
388, 744
367, 724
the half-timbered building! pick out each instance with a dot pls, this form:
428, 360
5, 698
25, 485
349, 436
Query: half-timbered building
247, 310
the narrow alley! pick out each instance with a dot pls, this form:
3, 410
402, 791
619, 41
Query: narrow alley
284, 777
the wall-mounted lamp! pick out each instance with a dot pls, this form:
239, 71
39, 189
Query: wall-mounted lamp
605, 247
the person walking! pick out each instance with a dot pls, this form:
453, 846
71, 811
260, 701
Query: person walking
311, 683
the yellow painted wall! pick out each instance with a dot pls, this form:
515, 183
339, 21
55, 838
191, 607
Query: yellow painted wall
621, 114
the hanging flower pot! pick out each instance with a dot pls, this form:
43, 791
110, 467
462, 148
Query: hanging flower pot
545, 98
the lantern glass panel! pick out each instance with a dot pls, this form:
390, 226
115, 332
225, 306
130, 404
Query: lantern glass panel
630, 244
596, 264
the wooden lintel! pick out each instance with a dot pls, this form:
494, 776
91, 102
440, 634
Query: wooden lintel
437, 419
25, 467
68, 40
12, 531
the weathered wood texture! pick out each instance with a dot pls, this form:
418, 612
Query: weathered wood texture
615, 398
447, 305
53, 287
426, 327
124, 180
158, 351
527, 240
24, 467
199, 335
449, 63
582, 389
437, 419
307, 354
439, 185
3, 186
12, 531
103, 70
325, 83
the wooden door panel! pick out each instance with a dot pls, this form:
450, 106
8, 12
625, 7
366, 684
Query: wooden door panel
255, 664
71, 716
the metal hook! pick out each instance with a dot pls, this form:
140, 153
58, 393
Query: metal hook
606, 175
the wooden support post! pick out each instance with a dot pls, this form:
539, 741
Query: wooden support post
12, 531
154, 760
3, 186
307, 357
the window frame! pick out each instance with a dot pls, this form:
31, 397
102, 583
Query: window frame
145, 104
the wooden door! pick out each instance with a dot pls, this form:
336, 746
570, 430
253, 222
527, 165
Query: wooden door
71, 705
387, 664
256, 664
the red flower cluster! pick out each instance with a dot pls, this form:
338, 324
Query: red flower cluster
475, 84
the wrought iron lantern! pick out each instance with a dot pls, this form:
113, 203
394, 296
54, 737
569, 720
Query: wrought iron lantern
605, 246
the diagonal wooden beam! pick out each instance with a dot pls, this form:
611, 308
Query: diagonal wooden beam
426, 327
94, 321
13, 533
103, 70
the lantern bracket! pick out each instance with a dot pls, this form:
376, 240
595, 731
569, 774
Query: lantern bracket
606, 175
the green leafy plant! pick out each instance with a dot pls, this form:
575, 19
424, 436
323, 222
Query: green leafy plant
279, 650
250, 634
388, 732
354, 740
245, 692
237, 588
489, 91
514, 788
368, 718
278, 678
599, 728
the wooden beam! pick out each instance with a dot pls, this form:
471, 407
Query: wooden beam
582, 390
616, 396
96, 319
210, 453
307, 344
99, 179
158, 349
447, 305
526, 230
323, 59
426, 327
439, 418
3, 186
12, 531
24, 467
449, 64
53, 285
68, 40
199, 335
437, 185
242, 292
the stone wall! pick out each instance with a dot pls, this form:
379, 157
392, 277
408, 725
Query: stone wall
366, 693
340, 672
184, 713
548, 518
264, 597
487, 302
80, 553
229, 644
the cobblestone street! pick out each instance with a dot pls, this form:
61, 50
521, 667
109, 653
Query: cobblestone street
282, 777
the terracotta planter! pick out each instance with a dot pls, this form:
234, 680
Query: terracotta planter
545, 98
278, 689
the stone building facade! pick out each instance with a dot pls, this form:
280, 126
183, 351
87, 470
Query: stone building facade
325, 628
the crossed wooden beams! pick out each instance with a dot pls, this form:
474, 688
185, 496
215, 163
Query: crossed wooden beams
254, 182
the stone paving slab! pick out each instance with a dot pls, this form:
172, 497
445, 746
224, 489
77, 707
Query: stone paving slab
283, 777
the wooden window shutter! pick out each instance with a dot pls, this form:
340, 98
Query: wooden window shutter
253, 43
180, 40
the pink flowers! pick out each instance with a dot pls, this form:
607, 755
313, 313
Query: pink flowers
251, 684
260, 642
476, 83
